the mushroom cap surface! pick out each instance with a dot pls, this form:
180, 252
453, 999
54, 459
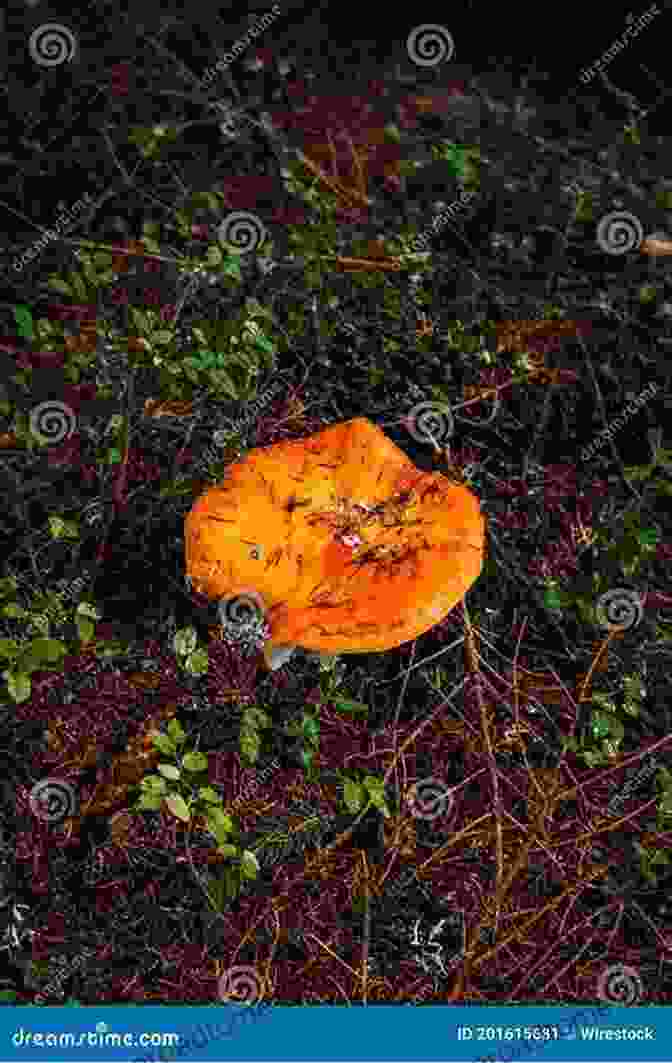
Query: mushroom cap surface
351, 548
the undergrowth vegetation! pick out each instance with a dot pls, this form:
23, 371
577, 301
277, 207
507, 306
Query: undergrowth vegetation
307, 821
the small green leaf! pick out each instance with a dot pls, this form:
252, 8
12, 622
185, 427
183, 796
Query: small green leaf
14, 611
353, 795
197, 662
231, 267
184, 641
47, 650
249, 865
162, 337
228, 850
19, 686
24, 321
165, 745
58, 285
250, 744
221, 819
169, 771
8, 586
353, 708
178, 806
311, 728
195, 762
87, 609
9, 648
85, 628
209, 795
176, 731
113, 456
214, 256
149, 802
7, 996
154, 784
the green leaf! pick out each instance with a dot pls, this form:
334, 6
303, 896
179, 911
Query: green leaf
214, 255
184, 641
195, 762
19, 686
178, 806
85, 628
197, 662
14, 611
553, 599
249, 865
353, 708
176, 731
163, 337
154, 784
8, 587
58, 285
250, 744
353, 795
24, 321
149, 802
221, 819
87, 609
228, 850
231, 267
209, 795
169, 771
47, 650
7, 996
311, 728
165, 745
113, 456
9, 648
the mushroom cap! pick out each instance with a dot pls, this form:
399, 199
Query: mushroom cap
350, 547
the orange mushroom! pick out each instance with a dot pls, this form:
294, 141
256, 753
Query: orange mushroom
348, 547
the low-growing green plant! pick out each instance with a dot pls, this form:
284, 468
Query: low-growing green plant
253, 720
607, 730
191, 657
362, 791
308, 730
178, 786
34, 649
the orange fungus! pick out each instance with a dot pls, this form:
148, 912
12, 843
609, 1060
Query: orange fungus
349, 546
